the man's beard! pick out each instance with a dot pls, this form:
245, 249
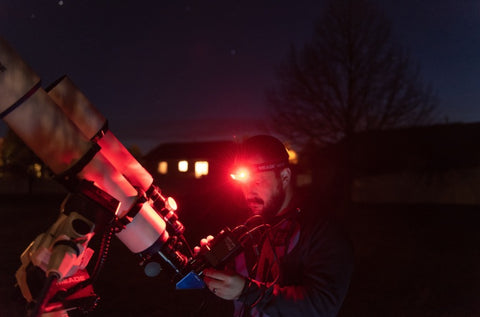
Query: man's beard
272, 206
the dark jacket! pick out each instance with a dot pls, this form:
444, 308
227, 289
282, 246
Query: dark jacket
308, 277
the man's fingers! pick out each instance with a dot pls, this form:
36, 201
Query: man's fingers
203, 242
225, 285
213, 284
218, 275
206, 241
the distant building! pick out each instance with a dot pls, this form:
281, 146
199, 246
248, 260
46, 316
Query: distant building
438, 164
194, 160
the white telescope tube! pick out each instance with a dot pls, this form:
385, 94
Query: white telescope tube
90, 121
42, 125
93, 125
33, 116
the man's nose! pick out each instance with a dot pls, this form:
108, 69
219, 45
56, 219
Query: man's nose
249, 190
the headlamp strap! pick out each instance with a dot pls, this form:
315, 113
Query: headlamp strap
269, 166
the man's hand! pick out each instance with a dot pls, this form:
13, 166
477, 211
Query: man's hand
203, 242
225, 284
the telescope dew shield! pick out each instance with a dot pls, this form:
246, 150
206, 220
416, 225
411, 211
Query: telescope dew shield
76, 106
93, 125
16, 77
33, 116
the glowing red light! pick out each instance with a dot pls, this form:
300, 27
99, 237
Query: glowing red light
171, 204
242, 174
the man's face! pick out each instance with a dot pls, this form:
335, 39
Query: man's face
263, 191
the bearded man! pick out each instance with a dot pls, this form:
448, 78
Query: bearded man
305, 263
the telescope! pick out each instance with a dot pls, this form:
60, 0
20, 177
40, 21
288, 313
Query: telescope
71, 137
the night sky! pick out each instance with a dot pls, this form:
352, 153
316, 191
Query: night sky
197, 70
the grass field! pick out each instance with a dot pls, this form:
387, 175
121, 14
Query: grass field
410, 261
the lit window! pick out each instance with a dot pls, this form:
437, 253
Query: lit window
37, 170
183, 166
201, 168
162, 167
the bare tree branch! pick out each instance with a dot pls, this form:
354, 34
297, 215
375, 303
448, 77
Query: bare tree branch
350, 78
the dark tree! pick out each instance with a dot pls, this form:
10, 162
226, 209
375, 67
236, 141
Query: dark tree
350, 78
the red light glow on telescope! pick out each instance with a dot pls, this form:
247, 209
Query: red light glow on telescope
171, 204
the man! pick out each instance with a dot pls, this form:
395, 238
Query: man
305, 264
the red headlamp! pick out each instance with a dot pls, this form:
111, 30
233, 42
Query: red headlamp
242, 173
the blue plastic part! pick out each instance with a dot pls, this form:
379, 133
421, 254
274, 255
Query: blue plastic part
190, 281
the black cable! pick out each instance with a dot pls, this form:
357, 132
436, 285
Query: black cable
42, 298
103, 252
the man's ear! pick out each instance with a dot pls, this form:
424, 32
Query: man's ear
285, 176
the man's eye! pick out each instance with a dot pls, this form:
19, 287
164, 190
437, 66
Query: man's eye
259, 180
